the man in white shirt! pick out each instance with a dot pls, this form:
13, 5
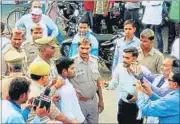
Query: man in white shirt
36, 16
152, 18
124, 80
68, 104
175, 48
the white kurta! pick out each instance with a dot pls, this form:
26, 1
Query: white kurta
153, 12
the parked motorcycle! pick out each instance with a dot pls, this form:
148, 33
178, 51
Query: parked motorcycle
107, 44
69, 11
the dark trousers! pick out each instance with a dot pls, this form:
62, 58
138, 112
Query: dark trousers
172, 33
127, 113
133, 14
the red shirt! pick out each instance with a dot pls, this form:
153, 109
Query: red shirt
88, 5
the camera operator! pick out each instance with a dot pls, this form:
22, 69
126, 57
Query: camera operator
11, 109
39, 72
167, 107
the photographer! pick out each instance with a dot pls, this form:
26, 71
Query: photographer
167, 107
11, 109
39, 72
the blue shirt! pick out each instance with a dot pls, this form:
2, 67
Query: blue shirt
120, 46
166, 108
69, 104
153, 80
12, 113
76, 39
49, 27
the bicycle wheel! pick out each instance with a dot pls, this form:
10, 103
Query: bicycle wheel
13, 17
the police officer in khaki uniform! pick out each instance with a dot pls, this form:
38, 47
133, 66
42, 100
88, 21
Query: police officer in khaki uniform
39, 72
17, 39
14, 61
86, 82
29, 46
47, 46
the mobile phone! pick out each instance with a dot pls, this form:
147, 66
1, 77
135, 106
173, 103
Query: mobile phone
129, 96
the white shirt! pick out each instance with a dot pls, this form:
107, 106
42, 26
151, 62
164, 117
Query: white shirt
153, 12
175, 49
124, 81
68, 104
28, 23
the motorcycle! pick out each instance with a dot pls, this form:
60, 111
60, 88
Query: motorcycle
69, 11
107, 43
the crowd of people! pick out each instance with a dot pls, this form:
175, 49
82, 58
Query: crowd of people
38, 85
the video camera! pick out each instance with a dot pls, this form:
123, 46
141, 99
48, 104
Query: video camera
43, 100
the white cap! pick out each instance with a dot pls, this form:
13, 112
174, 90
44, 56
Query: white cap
36, 11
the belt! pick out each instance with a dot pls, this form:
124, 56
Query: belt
84, 99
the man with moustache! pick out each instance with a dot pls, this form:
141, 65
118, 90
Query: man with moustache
83, 31
17, 38
29, 46
87, 82
124, 80
165, 108
148, 55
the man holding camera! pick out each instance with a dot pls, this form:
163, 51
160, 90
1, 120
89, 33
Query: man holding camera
39, 72
167, 107
124, 79
18, 95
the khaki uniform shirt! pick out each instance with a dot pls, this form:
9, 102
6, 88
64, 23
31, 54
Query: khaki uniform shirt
20, 50
153, 61
31, 51
54, 72
35, 90
87, 74
6, 83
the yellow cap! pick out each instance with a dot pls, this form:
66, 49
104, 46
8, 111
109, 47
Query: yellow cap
13, 57
46, 41
39, 68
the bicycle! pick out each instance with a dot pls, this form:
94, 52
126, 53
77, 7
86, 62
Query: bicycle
16, 14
